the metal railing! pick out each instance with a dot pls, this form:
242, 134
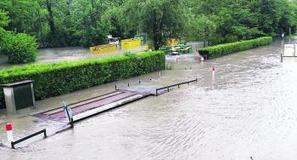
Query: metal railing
174, 85
28, 137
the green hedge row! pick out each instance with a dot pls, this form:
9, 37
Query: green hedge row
54, 79
228, 48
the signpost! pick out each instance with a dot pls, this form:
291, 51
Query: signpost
9, 133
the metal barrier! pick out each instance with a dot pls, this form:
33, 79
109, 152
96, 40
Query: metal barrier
102, 49
28, 137
174, 85
130, 43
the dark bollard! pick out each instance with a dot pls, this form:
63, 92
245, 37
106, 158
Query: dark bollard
71, 123
128, 84
139, 81
115, 87
44, 134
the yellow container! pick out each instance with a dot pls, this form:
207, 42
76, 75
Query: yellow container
172, 42
101, 49
130, 43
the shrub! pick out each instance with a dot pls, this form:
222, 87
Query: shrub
20, 48
54, 79
228, 48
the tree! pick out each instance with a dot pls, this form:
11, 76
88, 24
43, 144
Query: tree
58, 23
19, 47
4, 19
201, 28
160, 19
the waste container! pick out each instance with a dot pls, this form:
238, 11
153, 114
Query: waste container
18, 95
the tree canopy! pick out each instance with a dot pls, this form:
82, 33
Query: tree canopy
58, 23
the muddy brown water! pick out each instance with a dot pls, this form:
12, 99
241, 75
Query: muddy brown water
247, 110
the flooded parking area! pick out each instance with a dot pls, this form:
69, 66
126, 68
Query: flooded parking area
48, 55
247, 110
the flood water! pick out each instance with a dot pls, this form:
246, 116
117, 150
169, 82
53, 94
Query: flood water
247, 111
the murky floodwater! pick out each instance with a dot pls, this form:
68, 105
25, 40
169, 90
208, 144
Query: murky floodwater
247, 110
67, 54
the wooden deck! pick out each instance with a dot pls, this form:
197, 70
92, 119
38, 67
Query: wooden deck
94, 105
102, 103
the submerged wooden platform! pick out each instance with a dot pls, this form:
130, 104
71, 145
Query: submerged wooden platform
94, 105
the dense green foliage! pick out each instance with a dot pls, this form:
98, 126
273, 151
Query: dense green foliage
160, 19
228, 48
87, 22
19, 47
64, 77
230, 20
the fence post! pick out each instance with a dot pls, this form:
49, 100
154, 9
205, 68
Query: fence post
12, 145
71, 123
44, 133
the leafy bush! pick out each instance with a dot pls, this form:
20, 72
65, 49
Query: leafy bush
20, 48
54, 79
228, 48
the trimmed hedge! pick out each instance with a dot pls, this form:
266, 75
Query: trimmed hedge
53, 79
228, 48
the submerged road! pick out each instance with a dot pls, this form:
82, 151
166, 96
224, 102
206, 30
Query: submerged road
247, 110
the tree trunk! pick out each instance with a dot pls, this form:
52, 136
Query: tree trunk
50, 17
156, 42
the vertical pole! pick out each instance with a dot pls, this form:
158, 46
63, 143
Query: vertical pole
295, 50
9, 132
44, 133
70, 118
71, 123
